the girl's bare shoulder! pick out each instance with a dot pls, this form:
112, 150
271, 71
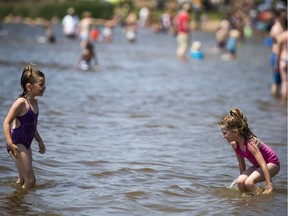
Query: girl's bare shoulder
254, 144
20, 101
20, 105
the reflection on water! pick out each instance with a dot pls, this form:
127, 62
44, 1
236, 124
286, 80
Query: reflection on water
140, 136
15, 204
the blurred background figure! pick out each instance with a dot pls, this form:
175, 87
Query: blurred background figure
51, 38
278, 27
222, 35
196, 50
231, 47
131, 27
237, 20
88, 59
49, 33
70, 23
166, 21
144, 17
282, 43
107, 31
95, 35
183, 31
197, 9
85, 25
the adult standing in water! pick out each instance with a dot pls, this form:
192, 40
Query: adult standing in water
282, 57
85, 26
183, 31
70, 23
277, 28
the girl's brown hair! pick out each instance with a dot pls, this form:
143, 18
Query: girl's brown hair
236, 120
29, 75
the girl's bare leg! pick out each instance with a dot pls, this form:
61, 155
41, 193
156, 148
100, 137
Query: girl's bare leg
24, 166
258, 176
243, 177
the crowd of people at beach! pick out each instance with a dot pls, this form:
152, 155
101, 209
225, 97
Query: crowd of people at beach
244, 21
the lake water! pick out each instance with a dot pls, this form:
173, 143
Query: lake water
140, 136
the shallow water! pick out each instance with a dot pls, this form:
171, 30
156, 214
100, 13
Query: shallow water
140, 136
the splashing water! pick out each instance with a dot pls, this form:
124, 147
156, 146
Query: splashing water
233, 184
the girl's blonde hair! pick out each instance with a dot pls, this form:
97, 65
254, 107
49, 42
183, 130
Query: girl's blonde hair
236, 120
29, 75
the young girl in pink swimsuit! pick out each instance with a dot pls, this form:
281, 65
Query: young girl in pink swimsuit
265, 163
20, 125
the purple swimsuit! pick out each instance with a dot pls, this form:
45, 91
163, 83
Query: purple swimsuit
268, 154
24, 134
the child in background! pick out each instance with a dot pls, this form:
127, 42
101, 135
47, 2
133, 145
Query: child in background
196, 50
20, 125
231, 45
88, 59
265, 163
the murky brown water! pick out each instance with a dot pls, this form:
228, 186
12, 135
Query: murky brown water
140, 136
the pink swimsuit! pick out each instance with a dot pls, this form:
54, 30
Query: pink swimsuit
267, 153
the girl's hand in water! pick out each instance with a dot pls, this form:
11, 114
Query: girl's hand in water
268, 190
258, 191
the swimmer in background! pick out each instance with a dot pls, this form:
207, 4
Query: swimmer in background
88, 59
265, 163
20, 125
231, 47
196, 50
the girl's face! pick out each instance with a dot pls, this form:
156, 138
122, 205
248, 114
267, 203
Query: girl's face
38, 88
229, 135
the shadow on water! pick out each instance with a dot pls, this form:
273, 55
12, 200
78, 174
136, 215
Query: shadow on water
15, 203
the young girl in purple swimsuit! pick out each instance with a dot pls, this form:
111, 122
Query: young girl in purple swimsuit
265, 163
20, 125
